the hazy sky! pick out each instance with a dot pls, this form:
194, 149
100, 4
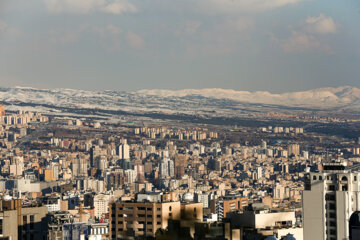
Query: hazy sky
275, 45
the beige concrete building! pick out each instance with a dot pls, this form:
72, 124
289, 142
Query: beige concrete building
22, 222
222, 206
129, 219
8, 224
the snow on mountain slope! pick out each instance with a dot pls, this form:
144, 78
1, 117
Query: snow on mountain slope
319, 98
223, 102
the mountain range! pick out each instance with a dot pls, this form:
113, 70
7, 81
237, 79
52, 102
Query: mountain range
209, 101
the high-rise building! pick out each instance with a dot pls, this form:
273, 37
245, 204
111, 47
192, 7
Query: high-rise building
222, 206
18, 221
331, 203
263, 144
167, 167
100, 163
133, 219
101, 205
79, 167
2, 110
294, 149
123, 151
94, 152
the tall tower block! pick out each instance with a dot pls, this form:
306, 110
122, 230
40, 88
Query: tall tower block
2, 110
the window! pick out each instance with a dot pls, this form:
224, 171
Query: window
32, 219
355, 178
344, 178
330, 197
158, 215
158, 223
170, 214
24, 220
1, 226
314, 177
158, 209
170, 208
332, 206
320, 177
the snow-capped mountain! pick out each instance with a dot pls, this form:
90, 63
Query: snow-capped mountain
217, 102
323, 98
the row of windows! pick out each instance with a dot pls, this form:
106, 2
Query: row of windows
121, 229
130, 222
139, 215
344, 178
138, 208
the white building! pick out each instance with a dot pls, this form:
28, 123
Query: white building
331, 203
93, 184
101, 205
52, 204
124, 151
268, 223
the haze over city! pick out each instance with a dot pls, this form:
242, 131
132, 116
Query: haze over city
265, 45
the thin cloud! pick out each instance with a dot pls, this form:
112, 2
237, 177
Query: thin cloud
320, 24
90, 6
228, 6
309, 35
135, 40
3, 26
9, 31
120, 7
301, 42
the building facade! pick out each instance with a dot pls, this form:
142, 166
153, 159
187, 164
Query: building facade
331, 199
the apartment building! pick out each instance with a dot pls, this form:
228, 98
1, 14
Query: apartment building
132, 219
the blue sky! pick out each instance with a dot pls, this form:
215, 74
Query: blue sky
273, 45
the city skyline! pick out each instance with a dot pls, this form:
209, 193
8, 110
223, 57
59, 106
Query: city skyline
132, 45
